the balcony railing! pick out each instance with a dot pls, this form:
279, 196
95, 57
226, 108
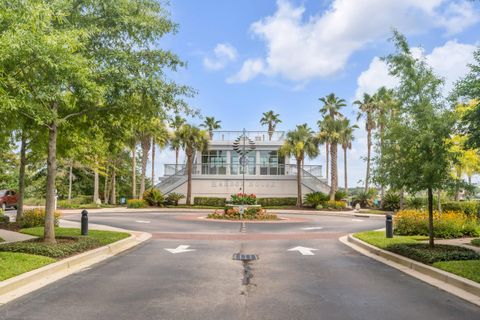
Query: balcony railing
256, 136
236, 169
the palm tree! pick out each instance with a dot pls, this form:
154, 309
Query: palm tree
384, 105
211, 124
300, 143
192, 139
330, 130
270, 119
175, 144
160, 138
368, 110
346, 139
331, 106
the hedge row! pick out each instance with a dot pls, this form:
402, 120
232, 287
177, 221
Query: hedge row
272, 202
209, 201
265, 202
470, 208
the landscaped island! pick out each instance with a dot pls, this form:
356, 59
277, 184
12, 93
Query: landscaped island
242, 207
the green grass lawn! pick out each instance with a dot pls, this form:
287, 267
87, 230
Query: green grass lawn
104, 237
469, 269
378, 239
374, 211
13, 263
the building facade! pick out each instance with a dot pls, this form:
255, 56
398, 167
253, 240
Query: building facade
219, 171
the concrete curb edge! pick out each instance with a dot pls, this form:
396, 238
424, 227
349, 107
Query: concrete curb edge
449, 282
24, 283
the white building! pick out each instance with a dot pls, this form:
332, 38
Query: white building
217, 172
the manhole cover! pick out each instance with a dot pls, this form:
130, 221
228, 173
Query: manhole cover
244, 257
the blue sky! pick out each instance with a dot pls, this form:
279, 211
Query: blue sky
247, 57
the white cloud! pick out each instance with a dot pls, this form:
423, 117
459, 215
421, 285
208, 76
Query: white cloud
250, 69
448, 61
223, 54
301, 49
373, 78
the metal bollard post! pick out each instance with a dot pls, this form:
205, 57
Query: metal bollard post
389, 226
84, 222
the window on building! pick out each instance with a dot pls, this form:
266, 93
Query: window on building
271, 163
214, 162
237, 168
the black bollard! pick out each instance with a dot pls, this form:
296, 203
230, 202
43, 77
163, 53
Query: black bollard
84, 222
389, 226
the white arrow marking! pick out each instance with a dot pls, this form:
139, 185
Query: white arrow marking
142, 221
180, 249
303, 250
312, 228
357, 220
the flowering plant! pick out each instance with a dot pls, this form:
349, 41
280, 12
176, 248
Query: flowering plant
243, 198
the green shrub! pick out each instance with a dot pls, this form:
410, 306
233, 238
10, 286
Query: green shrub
334, 205
36, 218
340, 195
153, 197
243, 198
174, 197
65, 246
424, 253
416, 203
33, 202
476, 242
273, 202
232, 213
447, 225
365, 199
209, 201
314, 199
391, 201
470, 208
136, 203
4, 219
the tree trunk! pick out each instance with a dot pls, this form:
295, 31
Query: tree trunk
299, 183
177, 153
134, 173
49, 231
21, 175
113, 196
145, 144
430, 218
402, 199
96, 184
153, 162
369, 146
439, 194
189, 178
334, 180
105, 188
382, 187
70, 180
345, 169
327, 155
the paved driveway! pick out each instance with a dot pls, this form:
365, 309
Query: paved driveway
150, 282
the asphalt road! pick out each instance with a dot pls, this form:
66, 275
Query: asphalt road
149, 282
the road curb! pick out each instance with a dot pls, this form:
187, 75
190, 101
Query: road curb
24, 283
459, 286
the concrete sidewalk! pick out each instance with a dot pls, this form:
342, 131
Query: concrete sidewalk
11, 236
462, 242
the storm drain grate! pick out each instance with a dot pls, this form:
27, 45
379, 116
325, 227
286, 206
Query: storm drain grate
244, 257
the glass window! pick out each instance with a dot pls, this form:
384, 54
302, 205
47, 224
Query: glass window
271, 163
214, 162
237, 168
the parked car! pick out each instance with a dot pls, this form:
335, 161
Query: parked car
8, 199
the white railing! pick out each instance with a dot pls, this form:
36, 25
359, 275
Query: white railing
256, 136
236, 169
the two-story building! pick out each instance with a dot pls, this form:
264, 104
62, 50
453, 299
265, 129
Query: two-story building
218, 171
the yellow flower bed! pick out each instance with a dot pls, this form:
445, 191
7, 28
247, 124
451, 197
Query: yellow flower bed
449, 224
